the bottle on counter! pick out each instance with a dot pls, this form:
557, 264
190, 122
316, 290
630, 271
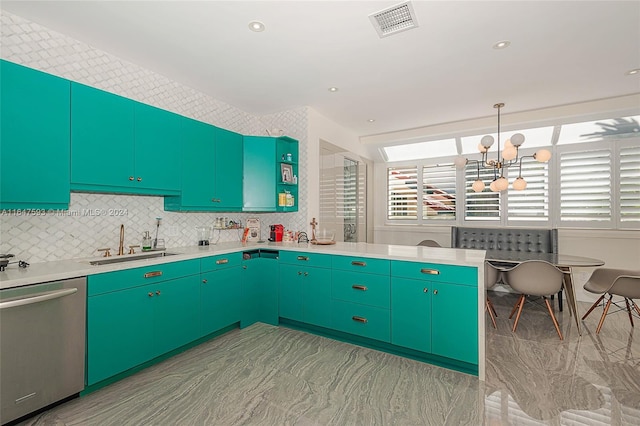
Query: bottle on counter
146, 241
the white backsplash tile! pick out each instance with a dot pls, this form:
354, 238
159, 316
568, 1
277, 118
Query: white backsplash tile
79, 233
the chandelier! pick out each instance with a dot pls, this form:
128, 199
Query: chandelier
510, 156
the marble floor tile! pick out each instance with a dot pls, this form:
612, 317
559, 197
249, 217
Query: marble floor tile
265, 375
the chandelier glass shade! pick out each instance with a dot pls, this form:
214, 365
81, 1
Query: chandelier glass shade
510, 156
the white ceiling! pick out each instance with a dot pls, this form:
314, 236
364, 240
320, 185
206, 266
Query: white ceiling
445, 70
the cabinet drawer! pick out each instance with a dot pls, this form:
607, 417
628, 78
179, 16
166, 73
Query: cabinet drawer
220, 261
465, 275
119, 280
366, 321
361, 264
366, 289
305, 258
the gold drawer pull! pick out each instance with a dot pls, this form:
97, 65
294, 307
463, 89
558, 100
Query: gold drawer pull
222, 261
358, 263
305, 258
430, 271
359, 319
153, 274
359, 287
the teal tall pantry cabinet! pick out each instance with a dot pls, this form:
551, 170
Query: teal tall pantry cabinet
270, 173
34, 139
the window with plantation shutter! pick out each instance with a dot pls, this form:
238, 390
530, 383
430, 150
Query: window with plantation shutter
402, 193
585, 185
439, 192
483, 205
531, 204
630, 184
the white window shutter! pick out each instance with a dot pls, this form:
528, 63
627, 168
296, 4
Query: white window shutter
402, 193
439, 192
585, 186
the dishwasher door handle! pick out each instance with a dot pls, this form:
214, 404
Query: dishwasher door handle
36, 299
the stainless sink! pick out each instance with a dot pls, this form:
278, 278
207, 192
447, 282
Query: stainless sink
129, 258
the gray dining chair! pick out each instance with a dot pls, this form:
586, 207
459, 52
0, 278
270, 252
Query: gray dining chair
534, 278
614, 282
492, 276
429, 243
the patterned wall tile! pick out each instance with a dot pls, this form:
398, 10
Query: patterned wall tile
80, 231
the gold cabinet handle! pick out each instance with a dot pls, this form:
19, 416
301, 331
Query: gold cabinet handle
425, 290
204, 281
150, 294
299, 272
158, 292
222, 261
244, 266
131, 178
359, 287
435, 291
153, 274
139, 179
430, 271
358, 263
359, 319
215, 200
306, 274
305, 258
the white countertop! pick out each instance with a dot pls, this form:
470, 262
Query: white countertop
64, 269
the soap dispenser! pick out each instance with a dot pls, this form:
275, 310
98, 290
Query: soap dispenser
146, 241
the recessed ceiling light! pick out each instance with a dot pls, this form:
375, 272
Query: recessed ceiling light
333, 89
256, 26
633, 72
502, 44
371, 120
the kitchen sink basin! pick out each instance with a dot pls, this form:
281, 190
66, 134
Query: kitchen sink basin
129, 258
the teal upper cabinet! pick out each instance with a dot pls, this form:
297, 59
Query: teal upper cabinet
211, 169
270, 174
119, 145
34, 139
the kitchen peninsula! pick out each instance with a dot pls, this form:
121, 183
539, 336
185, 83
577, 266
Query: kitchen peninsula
420, 302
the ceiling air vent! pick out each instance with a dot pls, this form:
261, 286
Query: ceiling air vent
395, 19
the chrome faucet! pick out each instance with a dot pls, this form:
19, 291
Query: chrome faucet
121, 246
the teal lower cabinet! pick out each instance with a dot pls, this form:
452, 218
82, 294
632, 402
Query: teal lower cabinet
130, 322
305, 291
221, 293
260, 276
434, 309
362, 320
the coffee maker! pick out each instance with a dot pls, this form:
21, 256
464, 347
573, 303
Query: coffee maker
276, 232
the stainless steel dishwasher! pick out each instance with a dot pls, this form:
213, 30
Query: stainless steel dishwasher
42, 345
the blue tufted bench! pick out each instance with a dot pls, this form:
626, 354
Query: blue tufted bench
529, 240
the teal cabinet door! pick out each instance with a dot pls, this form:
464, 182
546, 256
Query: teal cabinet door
157, 149
176, 313
102, 140
290, 293
454, 326
119, 331
316, 296
259, 186
198, 158
411, 314
34, 139
260, 278
228, 171
221, 299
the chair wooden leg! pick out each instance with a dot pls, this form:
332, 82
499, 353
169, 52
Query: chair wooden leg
516, 306
629, 311
490, 309
553, 317
493, 309
635, 306
593, 306
521, 305
604, 314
